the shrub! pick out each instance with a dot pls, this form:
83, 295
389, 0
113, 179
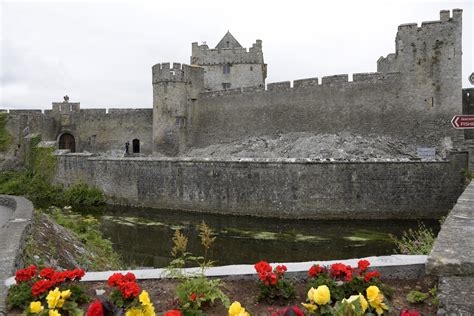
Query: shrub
82, 196
196, 290
58, 288
415, 242
272, 283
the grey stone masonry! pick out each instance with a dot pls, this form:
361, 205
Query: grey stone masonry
12, 238
452, 258
453, 251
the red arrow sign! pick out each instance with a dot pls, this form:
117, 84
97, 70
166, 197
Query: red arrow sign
463, 121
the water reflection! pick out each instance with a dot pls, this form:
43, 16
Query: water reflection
143, 237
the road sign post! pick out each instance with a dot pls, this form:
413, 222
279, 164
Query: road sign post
463, 121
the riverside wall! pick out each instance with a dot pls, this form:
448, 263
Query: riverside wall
286, 188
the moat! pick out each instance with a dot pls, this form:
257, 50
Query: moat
143, 237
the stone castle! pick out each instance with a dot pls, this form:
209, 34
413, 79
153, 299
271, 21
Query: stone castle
221, 97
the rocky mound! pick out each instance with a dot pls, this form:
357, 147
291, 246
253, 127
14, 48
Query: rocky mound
305, 145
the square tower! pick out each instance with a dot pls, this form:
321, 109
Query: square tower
229, 65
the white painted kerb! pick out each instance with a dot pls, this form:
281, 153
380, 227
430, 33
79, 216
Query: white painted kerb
248, 269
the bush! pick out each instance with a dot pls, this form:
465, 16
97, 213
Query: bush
82, 196
415, 242
194, 291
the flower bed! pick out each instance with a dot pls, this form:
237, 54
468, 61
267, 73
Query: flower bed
161, 294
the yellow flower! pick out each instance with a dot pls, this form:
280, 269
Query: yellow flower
66, 294
372, 292
135, 311
320, 296
310, 307
144, 298
148, 310
53, 298
36, 307
236, 309
53, 312
376, 299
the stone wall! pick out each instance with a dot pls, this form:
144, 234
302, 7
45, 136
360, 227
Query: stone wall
452, 258
372, 103
275, 188
12, 239
94, 130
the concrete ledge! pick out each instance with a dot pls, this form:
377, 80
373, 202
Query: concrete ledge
456, 295
12, 238
391, 267
453, 251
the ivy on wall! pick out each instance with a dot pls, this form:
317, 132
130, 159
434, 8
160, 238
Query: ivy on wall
5, 137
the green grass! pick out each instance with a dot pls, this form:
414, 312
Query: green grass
86, 229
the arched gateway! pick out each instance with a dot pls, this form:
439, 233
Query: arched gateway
67, 141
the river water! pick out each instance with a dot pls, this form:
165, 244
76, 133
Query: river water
143, 237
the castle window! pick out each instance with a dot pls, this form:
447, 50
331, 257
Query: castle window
136, 146
226, 85
226, 69
251, 68
228, 44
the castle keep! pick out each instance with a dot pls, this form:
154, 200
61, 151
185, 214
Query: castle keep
221, 97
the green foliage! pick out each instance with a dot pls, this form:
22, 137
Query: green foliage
194, 291
283, 290
417, 297
337, 292
81, 196
5, 137
415, 242
19, 296
86, 228
468, 174
346, 308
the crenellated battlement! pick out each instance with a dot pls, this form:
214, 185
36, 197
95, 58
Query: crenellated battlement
177, 72
332, 82
203, 55
428, 38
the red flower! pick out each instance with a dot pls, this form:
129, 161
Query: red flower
59, 277
129, 289
363, 265
370, 275
77, 274
172, 313
41, 286
339, 270
410, 313
115, 279
130, 277
95, 309
263, 275
273, 279
281, 269
294, 309
25, 275
47, 273
315, 270
192, 297
263, 266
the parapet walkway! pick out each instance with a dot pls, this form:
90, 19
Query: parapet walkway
452, 258
16, 214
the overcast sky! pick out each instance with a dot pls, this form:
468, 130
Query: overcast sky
100, 53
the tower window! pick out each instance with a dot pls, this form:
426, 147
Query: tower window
228, 44
226, 69
226, 85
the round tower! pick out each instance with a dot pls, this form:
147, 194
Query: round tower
174, 90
